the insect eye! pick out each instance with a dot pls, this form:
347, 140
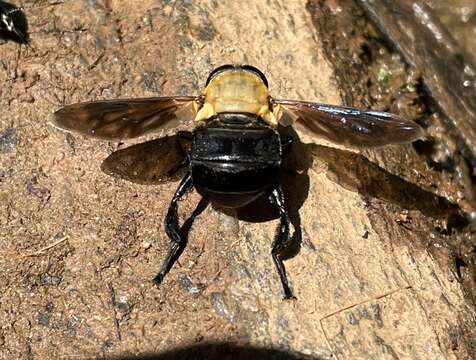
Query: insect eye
217, 71
226, 67
257, 72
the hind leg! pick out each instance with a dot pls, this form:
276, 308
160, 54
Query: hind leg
172, 228
281, 241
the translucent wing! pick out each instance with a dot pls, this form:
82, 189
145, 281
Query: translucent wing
152, 162
127, 118
346, 125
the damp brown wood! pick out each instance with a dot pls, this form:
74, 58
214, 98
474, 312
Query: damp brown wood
78, 247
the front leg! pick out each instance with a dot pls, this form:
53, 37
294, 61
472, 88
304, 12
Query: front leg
172, 228
281, 240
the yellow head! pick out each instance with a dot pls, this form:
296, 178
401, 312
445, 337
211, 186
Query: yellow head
236, 89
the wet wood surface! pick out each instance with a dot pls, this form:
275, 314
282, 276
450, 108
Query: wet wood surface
414, 29
78, 248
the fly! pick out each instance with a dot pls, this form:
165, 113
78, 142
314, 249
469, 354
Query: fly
235, 148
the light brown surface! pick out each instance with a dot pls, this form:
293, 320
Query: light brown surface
367, 287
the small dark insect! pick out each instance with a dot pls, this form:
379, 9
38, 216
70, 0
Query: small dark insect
13, 23
236, 149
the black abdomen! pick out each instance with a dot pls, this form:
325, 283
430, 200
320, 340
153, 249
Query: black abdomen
235, 158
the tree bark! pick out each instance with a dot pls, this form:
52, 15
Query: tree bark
78, 248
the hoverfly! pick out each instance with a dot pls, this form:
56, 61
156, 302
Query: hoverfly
236, 149
13, 23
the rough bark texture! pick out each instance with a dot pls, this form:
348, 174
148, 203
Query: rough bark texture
78, 248
426, 44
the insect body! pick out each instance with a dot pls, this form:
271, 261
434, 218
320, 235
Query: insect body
236, 147
13, 22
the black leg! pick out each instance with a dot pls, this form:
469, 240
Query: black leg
281, 240
172, 228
